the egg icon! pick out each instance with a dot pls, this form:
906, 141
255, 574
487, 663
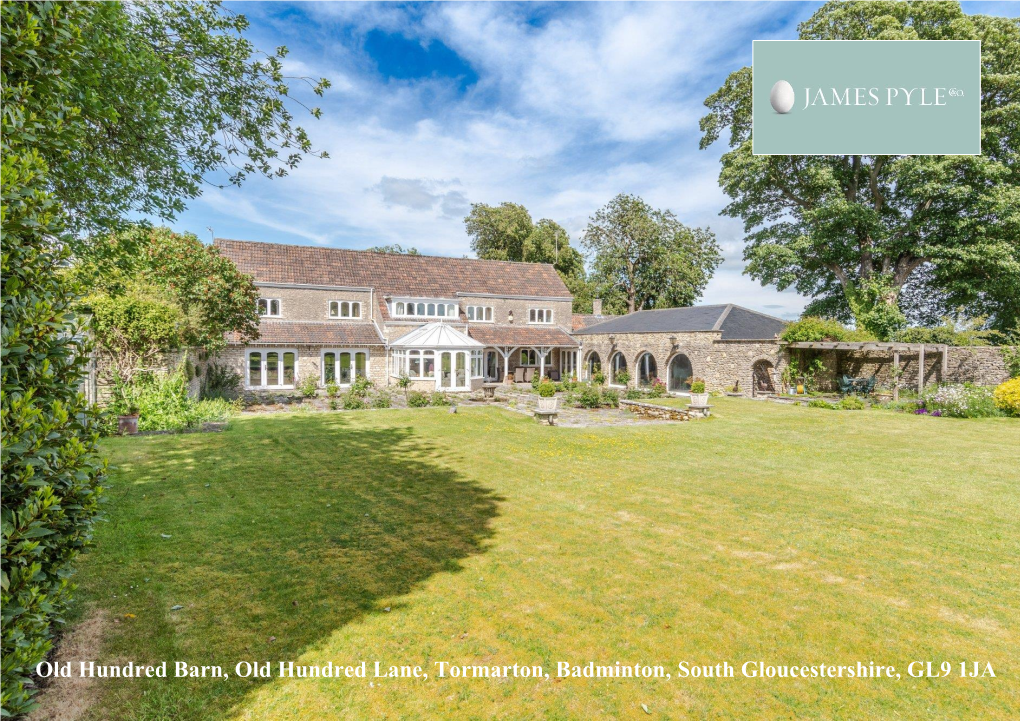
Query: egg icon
782, 97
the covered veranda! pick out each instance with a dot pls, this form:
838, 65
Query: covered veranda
893, 350
543, 351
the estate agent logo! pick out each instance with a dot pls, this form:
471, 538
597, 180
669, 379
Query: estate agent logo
866, 97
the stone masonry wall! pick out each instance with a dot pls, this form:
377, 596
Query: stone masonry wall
313, 304
309, 362
722, 364
977, 364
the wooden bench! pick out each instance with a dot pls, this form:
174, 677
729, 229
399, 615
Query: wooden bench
548, 409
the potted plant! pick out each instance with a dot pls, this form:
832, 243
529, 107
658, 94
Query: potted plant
699, 397
127, 422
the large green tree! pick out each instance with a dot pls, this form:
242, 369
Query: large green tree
853, 231
648, 256
153, 290
108, 109
507, 232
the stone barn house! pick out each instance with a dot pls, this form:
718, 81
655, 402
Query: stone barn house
452, 324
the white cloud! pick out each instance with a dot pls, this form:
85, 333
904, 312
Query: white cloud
596, 100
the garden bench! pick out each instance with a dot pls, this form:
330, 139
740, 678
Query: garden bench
548, 409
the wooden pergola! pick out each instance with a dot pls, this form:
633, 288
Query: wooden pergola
878, 347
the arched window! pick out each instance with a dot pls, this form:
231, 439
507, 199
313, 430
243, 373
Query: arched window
431, 309
762, 377
441, 310
618, 366
680, 373
593, 364
421, 309
647, 370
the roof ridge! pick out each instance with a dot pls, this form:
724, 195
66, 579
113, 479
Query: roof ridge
752, 310
722, 317
379, 252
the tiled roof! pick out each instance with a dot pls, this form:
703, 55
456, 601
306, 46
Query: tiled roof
583, 320
734, 322
520, 335
390, 273
284, 332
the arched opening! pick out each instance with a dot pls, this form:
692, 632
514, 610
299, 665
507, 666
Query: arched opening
593, 364
762, 377
647, 370
618, 366
680, 373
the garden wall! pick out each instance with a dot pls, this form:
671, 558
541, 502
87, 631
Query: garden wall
976, 364
99, 384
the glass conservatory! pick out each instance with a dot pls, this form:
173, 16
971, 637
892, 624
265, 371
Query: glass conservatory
440, 353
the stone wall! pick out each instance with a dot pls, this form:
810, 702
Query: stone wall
313, 304
976, 364
722, 364
308, 362
659, 413
102, 371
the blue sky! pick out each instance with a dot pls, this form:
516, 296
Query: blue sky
556, 106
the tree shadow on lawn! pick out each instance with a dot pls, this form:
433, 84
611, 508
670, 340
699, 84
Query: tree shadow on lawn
307, 524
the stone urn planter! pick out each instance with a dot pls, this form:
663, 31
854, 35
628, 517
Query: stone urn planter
699, 399
548, 405
128, 424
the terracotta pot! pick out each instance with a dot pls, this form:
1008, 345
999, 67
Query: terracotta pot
127, 425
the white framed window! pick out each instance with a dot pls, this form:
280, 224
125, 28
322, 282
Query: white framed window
416, 364
480, 313
540, 315
423, 309
344, 309
343, 365
477, 369
271, 368
529, 357
568, 363
269, 307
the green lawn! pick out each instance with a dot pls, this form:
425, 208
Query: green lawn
776, 533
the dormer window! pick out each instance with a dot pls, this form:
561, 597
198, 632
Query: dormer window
423, 309
540, 315
480, 313
344, 309
269, 307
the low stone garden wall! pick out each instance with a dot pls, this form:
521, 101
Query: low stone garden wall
650, 410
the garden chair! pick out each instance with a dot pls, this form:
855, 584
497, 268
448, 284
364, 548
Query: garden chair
519, 375
846, 385
529, 374
869, 386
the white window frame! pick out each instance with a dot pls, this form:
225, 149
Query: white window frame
337, 352
263, 352
540, 316
269, 307
423, 308
613, 369
352, 306
481, 313
568, 363
477, 364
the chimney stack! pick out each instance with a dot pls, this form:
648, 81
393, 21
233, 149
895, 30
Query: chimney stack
596, 306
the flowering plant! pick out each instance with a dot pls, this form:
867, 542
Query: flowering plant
959, 400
